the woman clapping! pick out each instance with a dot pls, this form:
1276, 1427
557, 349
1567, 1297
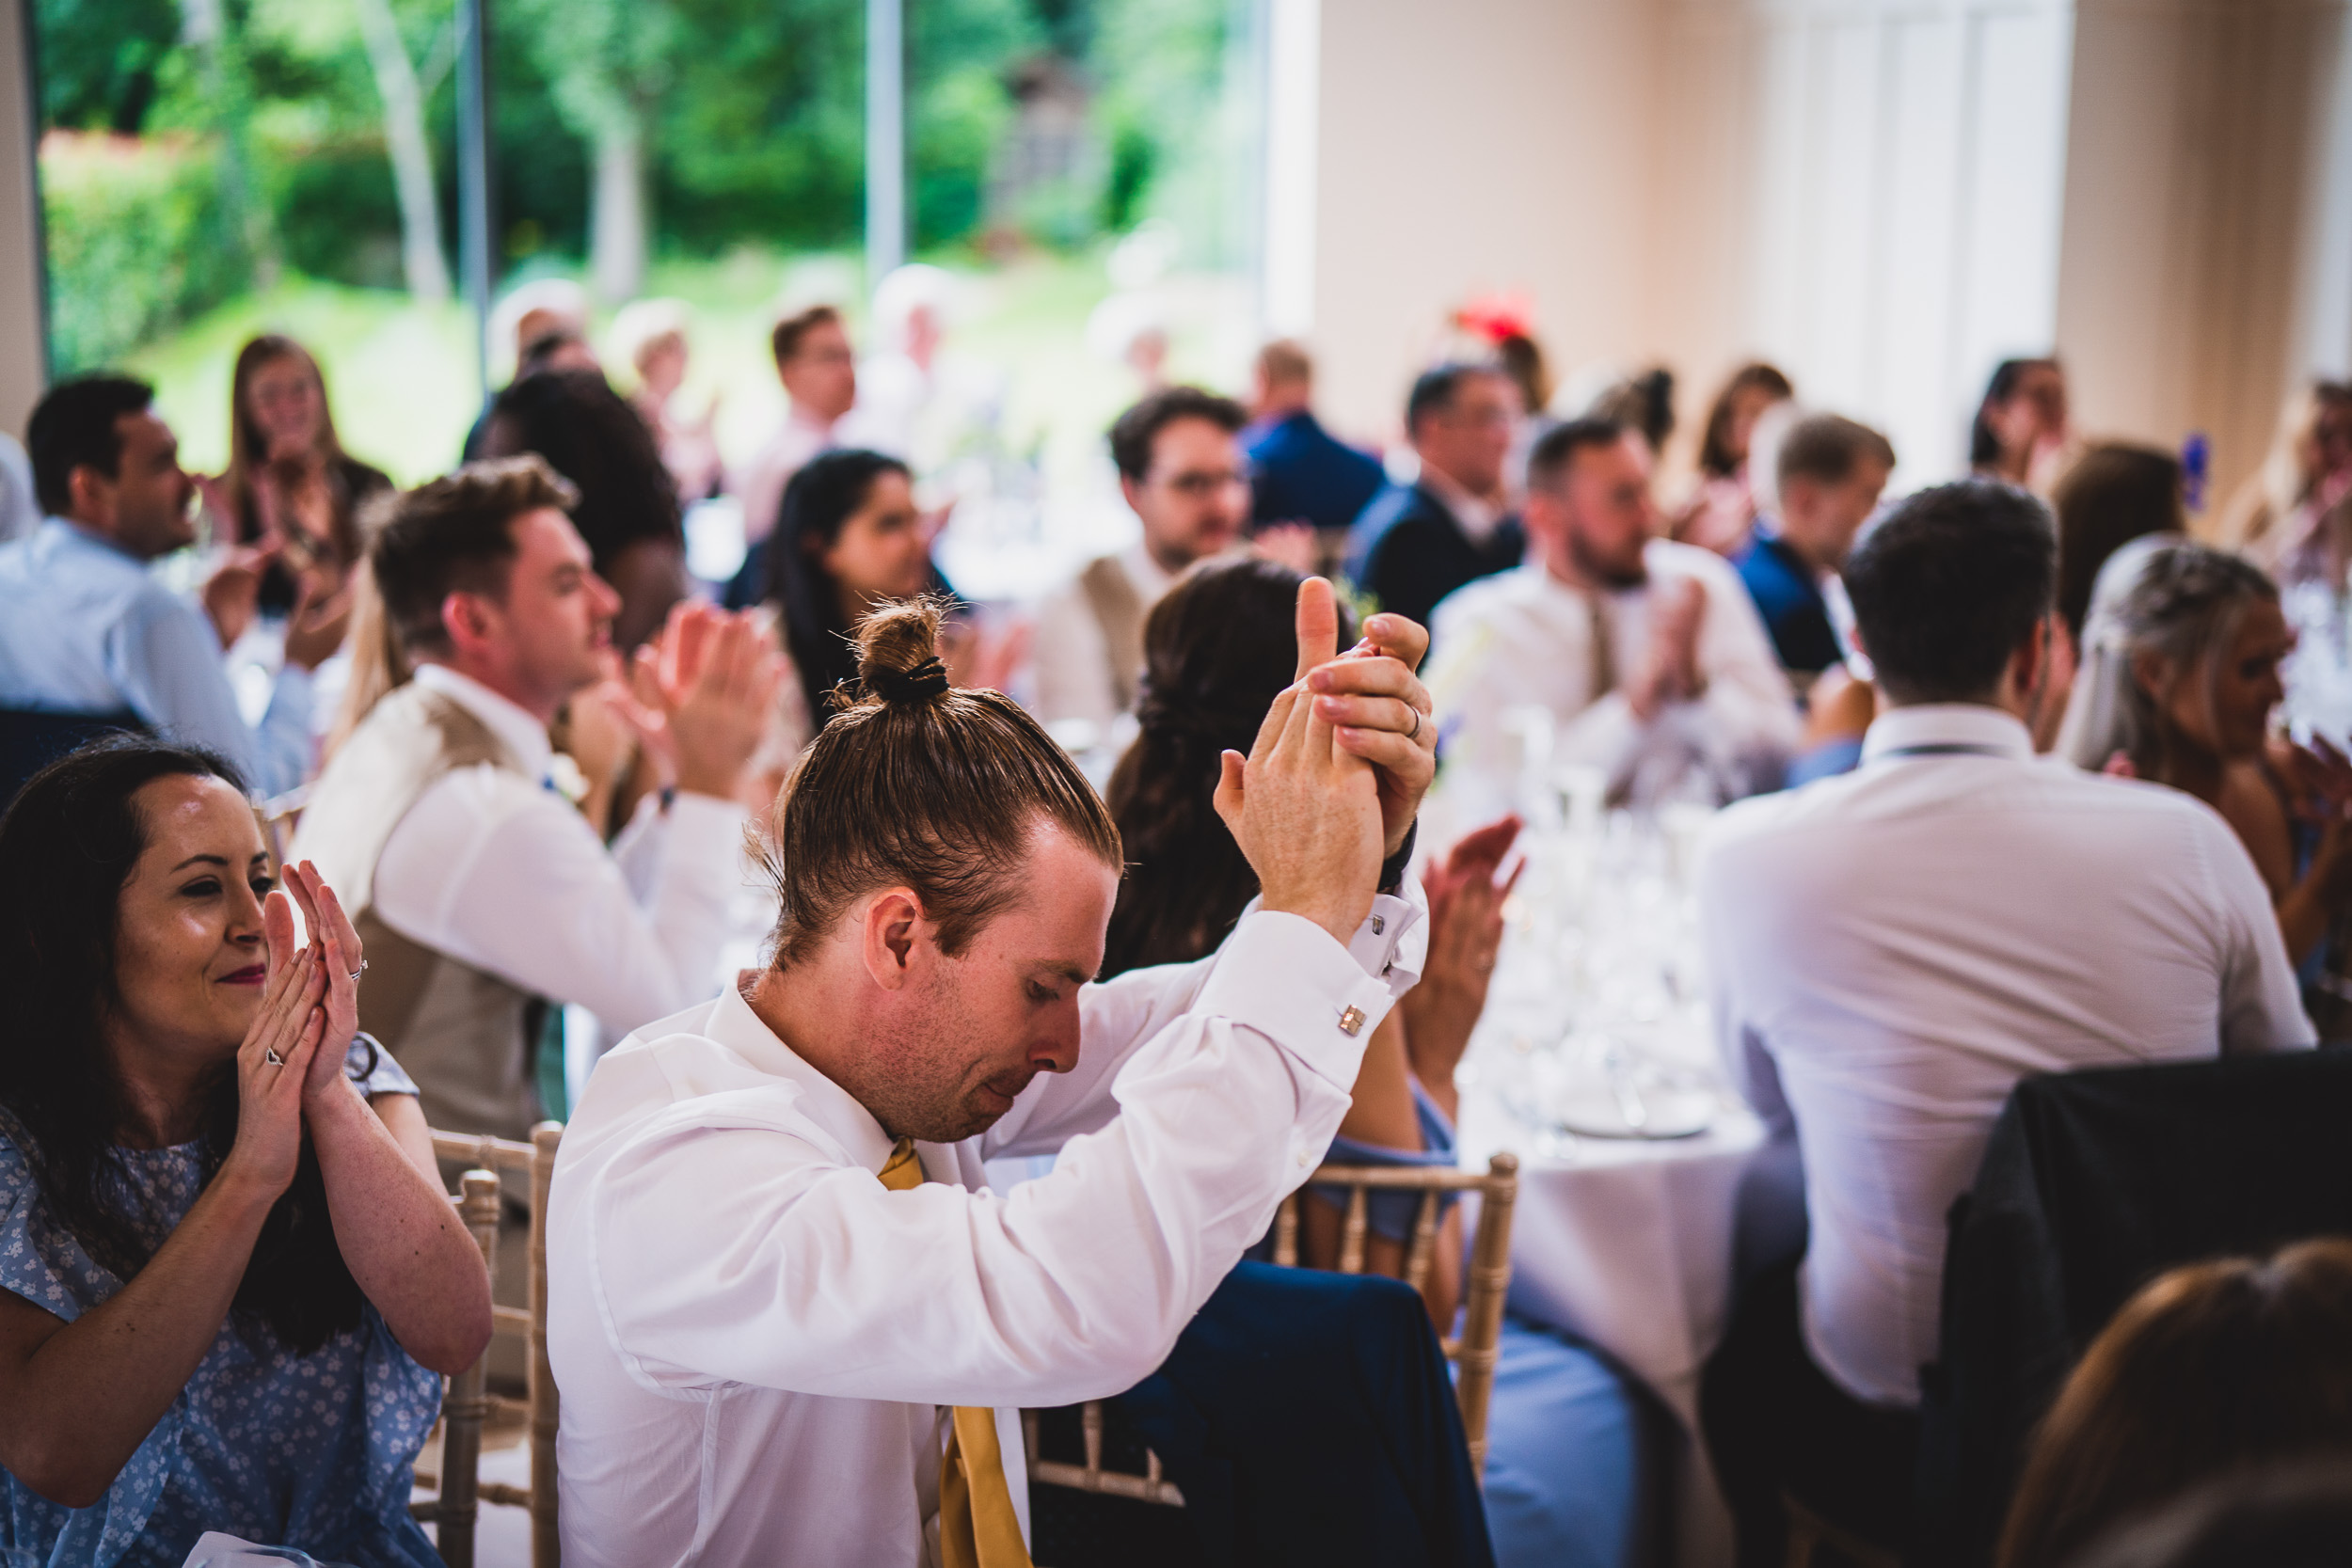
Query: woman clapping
228, 1273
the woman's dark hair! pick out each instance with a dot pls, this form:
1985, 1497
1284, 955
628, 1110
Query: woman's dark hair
914, 782
1217, 650
1983, 445
1716, 458
2287, 1517
589, 434
67, 846
822, 498
2211, 1370
2115, 493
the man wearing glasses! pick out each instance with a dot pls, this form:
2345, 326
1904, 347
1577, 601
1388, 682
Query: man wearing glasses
1181, 469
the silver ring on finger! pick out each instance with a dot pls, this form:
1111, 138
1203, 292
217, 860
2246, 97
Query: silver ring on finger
269, 1054
1413, 734
356, 973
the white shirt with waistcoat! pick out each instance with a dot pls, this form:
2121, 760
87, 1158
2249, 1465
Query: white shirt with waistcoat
498, 870
759, 1346
1893, 949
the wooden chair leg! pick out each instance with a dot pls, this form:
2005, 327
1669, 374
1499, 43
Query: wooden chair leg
469, 1402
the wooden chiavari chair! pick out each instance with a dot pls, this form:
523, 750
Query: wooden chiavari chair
460, 1488
1472, 1353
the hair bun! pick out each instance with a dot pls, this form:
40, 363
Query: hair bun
898, 653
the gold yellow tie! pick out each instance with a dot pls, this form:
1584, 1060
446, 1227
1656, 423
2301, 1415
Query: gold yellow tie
977, 1528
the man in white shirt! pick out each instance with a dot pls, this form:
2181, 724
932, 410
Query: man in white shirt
1645, 657
1892, 949
1182, 472
86, 629
819, 370
791, 1322
484, 898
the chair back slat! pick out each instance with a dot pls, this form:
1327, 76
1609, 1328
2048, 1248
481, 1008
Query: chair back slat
467, 1401
461, 1492
546, 1548
1351, 1232
1423, 1254
1473, 1353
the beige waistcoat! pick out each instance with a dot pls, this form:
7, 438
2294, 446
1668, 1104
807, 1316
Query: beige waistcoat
1112, 595
464, 1035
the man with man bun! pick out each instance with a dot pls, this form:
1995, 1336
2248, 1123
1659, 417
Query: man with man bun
791, 1322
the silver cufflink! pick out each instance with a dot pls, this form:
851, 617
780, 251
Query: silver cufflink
1379, 924
1351, 1022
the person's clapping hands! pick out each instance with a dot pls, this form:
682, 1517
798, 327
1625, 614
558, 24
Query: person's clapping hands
1306, 809
1382, 712
712, 681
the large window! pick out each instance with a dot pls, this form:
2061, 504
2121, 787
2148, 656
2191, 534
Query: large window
211, 168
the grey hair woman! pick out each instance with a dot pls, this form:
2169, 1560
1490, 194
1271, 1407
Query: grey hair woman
2180, 676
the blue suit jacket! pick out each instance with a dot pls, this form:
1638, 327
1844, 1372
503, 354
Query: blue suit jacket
1407, 551
1789, 600
1299, 473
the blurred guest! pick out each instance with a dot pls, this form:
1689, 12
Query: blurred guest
1891, 950
2294, 1515
2021, 431
1130, 328
820, 375
289, 481
2114, 494
1182, 472
546, 323
1417, 543
543, 309
851, 539
651, 333
628, 509
1566, 1472
2210, 1371
486, 900
1720, 511
1642, 403
2290, 516
1829, 474
1645, 654
86, 629
230, 1280
1298, 473
2179, 680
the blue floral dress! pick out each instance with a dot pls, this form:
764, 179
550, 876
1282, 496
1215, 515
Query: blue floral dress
313, 1452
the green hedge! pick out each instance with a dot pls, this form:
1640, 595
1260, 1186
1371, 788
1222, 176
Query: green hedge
139, 240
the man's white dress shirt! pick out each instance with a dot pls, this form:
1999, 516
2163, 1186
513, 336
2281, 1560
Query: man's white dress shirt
757, 1344
1070, 656
505, 875
86, 627
1525, 638
1892, 949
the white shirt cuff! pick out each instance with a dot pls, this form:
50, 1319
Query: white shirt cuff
1282, 975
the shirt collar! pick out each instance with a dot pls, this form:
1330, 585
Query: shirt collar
64, 532
1931, 728
825, 1102
521, 734
1476, 516
1150, 578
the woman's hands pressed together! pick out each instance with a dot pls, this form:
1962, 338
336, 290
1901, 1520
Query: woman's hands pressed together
275, 1059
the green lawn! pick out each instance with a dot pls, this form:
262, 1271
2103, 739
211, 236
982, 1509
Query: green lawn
400, 376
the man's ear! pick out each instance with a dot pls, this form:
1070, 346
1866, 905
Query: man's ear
86, 489
893, 921
463, 620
